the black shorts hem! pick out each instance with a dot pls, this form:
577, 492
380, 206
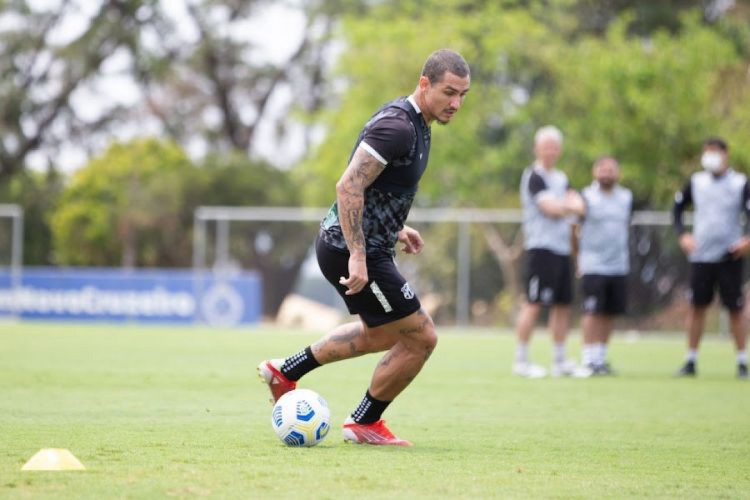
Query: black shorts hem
390, 319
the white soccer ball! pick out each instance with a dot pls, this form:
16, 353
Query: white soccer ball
301, 418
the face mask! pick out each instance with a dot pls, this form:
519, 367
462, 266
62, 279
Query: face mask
711, 161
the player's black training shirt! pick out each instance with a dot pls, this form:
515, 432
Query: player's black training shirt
398, 137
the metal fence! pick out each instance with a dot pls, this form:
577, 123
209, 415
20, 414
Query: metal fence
472, 261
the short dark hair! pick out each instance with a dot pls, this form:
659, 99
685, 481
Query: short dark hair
716, 142
442, 61
604, 158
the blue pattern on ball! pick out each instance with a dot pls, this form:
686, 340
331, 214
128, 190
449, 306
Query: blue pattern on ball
294, 438
322, 431
277, 417
305, 411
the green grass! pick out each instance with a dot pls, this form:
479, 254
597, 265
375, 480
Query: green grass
178, 412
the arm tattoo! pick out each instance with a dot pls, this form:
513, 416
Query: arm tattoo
361, 172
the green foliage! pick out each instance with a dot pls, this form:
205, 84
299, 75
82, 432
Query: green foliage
123, 208
45, 64
37, 195
233, 180
134, 206
650, 101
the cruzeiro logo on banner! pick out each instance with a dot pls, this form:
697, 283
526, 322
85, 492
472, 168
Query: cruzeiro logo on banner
222, 305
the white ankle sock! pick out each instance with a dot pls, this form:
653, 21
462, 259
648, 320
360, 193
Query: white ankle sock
559, 355
522, 353
587, 354
742, 357
601, 353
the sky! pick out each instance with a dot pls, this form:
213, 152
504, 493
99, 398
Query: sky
277, 28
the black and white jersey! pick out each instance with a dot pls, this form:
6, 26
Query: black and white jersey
399, 138
718, 203
603, 244
539, 230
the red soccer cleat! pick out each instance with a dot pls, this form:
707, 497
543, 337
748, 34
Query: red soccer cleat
375, 433
269, 372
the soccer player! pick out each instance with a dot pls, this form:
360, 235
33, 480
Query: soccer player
548, 205
715, 248
355, 250
603, 261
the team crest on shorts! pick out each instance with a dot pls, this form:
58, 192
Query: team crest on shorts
406, 290
589, 304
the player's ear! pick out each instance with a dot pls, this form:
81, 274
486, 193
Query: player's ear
424, 82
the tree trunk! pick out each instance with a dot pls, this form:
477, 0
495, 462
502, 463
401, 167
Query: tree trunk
507, 257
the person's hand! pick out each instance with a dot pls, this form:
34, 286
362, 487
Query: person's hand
412, 240
687, 243
574, 204
740, 248
357, 274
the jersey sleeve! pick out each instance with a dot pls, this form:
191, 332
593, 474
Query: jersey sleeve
746, 205
536, 186
681, 201
389, 138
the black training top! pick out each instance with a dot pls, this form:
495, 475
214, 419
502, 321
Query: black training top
398, 137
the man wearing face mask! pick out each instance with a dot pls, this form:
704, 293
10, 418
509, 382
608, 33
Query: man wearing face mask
715, 248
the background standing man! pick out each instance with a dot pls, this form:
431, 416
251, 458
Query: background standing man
603, 261
548, 204
355, 250
715, 248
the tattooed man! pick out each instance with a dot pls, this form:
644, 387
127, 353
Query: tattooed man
355, 250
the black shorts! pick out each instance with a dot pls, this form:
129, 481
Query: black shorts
705, 276
604, 294
387, 297
549, 277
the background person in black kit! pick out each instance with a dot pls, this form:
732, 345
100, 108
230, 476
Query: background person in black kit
355, 250
716, 247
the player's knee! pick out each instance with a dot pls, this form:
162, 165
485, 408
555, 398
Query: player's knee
429, 334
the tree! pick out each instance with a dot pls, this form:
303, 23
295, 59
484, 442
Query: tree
45, 70
210, 82
276, 251
124, 207
37, 194
646, 95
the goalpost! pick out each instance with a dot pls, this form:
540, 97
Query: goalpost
14, 264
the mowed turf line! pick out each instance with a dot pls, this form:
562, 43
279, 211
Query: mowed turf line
168, 411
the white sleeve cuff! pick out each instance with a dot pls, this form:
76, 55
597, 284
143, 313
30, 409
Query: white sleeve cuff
544, 194
372, 151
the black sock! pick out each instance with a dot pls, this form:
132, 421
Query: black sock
296, 366
369, 409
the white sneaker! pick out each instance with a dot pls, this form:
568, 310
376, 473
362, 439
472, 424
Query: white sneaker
564, 369
529, 370
582, 371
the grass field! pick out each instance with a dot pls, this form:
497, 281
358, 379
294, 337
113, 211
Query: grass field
178, 412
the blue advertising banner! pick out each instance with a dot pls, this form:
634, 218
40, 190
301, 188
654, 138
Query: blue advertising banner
132, 295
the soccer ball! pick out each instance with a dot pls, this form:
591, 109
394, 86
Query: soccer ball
301, 418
